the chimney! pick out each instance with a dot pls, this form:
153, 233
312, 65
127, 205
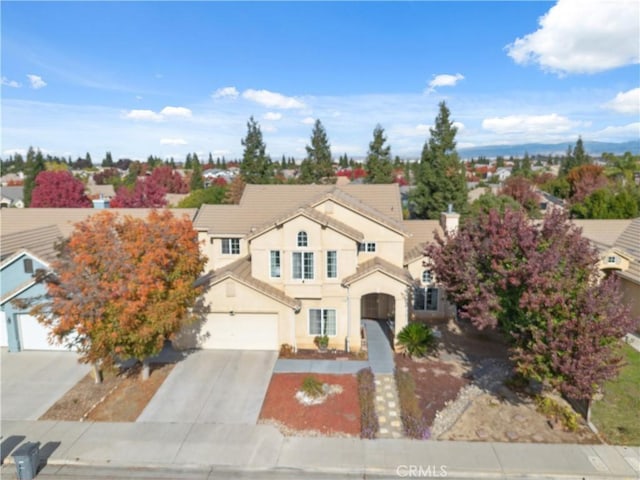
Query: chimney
449, 220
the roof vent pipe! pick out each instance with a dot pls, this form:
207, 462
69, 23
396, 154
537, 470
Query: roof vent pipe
450, 208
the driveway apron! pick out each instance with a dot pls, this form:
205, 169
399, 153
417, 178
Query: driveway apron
213, 386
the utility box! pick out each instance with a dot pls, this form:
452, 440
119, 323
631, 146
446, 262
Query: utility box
27, 459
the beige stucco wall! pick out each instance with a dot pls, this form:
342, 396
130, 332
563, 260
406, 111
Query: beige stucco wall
631, 297
211, 246
230, 295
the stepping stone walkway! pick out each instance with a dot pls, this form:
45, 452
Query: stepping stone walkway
388, 407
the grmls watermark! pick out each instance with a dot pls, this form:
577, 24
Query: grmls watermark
421, 471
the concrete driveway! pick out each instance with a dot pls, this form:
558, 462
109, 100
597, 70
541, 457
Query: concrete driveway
33, 381
213, 386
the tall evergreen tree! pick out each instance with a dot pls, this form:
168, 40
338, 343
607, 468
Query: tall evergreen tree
256, 165
440, 176
317, 166
575, 158
108, 160
196, 182
378, 162
34, 165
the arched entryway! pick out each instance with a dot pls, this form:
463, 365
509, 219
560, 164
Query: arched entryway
378, 306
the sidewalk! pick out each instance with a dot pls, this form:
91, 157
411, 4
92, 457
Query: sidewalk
199, 448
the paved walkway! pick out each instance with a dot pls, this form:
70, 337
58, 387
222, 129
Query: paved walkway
633, 340
388, 407
380, 353
154, 450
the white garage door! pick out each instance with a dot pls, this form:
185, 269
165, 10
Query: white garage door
3, 330
242, 331
33, 335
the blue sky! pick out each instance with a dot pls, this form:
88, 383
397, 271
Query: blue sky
165, 78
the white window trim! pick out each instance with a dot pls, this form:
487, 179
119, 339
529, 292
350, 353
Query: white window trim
322, 310
367, 247
306, 239
612, 259
302, 257
429, 275
425, 309
327, 265
229, 242
271, 252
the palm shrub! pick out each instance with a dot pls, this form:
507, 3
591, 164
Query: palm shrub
416, 339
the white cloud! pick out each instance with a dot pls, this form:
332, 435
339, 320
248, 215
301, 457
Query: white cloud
143, 115
619, 133
272, 99
626, 102
444, 80
10, 83
459, 125
36, 81
269, 128
226, 92
308, 120
582, 37
272, 116
176, 112
14, 151
138, 97
173, 141
536, 124
221, 152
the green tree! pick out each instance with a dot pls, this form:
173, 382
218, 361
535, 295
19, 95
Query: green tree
108, 160
34, 165
378, 162
574, 158
488, 201
213, 195
317, 167
256, 165
440, 178
196, 182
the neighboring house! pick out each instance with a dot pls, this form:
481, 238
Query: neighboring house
618, 243
502, 173
12, 197
27, 248
211, 175
24, 259
291, 262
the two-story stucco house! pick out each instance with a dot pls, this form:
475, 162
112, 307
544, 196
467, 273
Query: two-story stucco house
291, 262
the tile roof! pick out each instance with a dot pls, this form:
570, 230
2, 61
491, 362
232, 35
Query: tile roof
14, 220
260, 202
314, 215
422, 232
38, 241
602, 233
377, 264
240, 270
629, 243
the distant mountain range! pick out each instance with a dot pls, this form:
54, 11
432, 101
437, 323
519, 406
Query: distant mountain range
592, 148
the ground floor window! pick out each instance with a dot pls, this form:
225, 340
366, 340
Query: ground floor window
425, 298
322, 321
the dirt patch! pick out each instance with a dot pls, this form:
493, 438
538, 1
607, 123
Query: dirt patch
121, 396
310, 354
339, 415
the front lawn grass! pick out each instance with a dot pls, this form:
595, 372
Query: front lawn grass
617, 415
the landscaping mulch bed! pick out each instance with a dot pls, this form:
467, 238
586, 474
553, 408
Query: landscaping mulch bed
339, 415
310, 354
121, 396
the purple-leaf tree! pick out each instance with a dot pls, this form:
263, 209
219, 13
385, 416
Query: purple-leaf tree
541, 286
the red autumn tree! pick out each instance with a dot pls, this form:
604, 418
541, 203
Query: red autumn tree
539, 285
584, 180
59, 189
170, 179
123, 285
523, 191
146, 193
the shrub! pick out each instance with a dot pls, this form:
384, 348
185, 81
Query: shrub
552, 409
416, 339
367, 398
286, 351
413, 422
312, 387
321, 341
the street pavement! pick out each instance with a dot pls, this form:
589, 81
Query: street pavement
158, 450
33, 381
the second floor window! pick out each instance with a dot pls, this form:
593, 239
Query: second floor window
427, 277
302, 239
367, 247
231, 246
274, 264
302, 263
332, 264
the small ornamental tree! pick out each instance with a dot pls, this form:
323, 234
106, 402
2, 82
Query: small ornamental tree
584, 180
523, 191
59, 189
540, 286
122, 286
146, 193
